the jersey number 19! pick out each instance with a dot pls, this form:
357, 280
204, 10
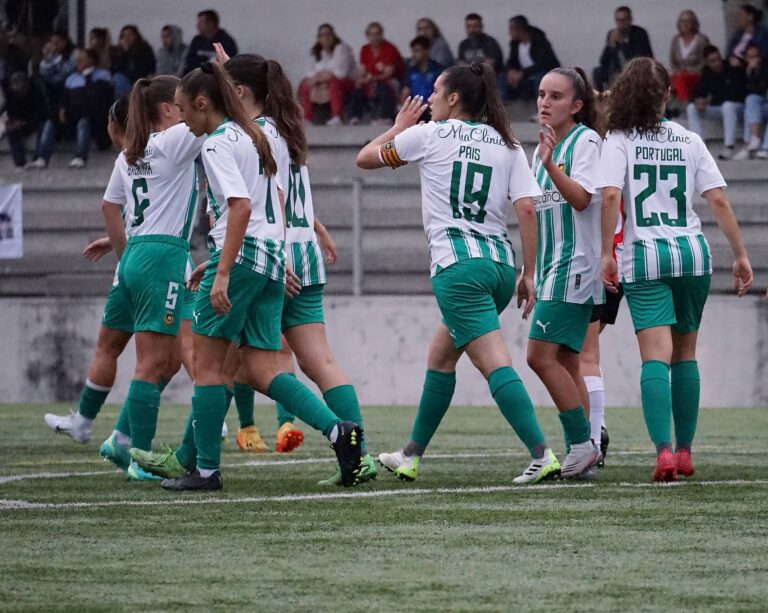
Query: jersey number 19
470, 196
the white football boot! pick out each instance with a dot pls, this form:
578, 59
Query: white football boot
581, 457
74, 425
545, 467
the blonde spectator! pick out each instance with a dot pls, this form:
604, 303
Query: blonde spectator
686, 56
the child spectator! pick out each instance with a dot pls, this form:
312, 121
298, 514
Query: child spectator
379, 78
88, 94
200, 48
686, 56
422, 73
755, 106
170, 55
134, 60
720, 95
440, 52
330, 76
530, 57
28, 114
57, 64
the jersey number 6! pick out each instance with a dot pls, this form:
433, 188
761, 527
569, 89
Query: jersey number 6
139, 205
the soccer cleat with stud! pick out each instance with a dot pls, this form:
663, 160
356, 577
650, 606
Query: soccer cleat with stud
684, 463
406, 468
289, 437
117, 454
193, 481
580, 457
224, 432
249, 440
368, 472
604, 442
136, 473
666, 469
72, 425
540, 469
349, 438
163, 464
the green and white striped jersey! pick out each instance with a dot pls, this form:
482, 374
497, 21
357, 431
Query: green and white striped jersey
303, 253
234, 171
568, 256
159, 192
658, 173
468, 177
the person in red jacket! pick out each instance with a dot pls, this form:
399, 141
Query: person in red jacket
379, 79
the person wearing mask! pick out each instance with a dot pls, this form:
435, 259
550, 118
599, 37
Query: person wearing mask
530, 57
135, 60
624, 42
170, 55
686, 56
28, 114
439, 51
750, 31
201, 48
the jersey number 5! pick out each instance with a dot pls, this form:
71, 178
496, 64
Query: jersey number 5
677, 192
140, 203
480, 196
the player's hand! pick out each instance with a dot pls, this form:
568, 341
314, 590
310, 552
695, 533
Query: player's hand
97, 249
410, 113
193, 283
742, 275
219, 299
328, 246
526, 294
292, 283
547, 143
221, 56
609, 274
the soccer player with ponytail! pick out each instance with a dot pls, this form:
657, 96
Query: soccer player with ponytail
471, 167
657, 165
240, 297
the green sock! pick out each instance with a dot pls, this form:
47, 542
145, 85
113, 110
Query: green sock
244, 403
656, 395
436, 396
576, 426
163, 384
186, 452
209, 408
283, 416
143, 403
686, 390
515, 405
342, 400
123, 423
92, 399
299, 400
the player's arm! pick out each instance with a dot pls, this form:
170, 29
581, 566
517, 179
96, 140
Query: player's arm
113, 222
526, 219
237, 224
574, 194
97, 249
327, 244
726, 221
375, 154
609, 217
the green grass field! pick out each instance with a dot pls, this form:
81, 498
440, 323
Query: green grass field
77, 535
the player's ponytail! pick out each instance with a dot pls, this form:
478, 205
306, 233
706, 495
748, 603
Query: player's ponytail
582, 90
479, 97
143, 110
271, 88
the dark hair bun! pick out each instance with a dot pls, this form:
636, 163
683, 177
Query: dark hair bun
476, 68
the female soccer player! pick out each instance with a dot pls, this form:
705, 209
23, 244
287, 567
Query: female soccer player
470, 167
666, 270
567, 285
241, 294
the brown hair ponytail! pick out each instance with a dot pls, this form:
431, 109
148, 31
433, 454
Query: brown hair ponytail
143, 106
637, 97
211, 80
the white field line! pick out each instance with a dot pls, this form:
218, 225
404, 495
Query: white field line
25, 505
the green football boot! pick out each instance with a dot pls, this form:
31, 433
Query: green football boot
135, 473
163, 464
117, 454
368, 472
406, 468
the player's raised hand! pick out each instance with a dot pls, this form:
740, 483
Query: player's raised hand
547, 142
609, 274
97, 249
410, 113
221, 56
742, 275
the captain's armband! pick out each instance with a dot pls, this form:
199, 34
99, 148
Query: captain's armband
388, 155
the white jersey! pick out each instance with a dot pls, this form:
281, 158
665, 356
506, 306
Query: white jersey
159, 192
303, 253
658, 174
234, 171
468, 175
568, 256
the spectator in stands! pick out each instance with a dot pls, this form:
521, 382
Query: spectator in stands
28, 114
12, 58
755, 106
750, 30
478, 46
720, 95
686, 56
100, 40
170, 55
57, 64
200, 48
530, 57
379, 78
422, 73
329, 79
134, 60
440, 52
624, 42
88, 94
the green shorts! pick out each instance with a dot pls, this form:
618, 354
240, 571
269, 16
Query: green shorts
675, 301
471, 294
562, 323
151, 282
117, 311
188, 304
306, 308
257, 306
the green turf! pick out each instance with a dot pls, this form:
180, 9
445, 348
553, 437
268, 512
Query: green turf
619, 545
